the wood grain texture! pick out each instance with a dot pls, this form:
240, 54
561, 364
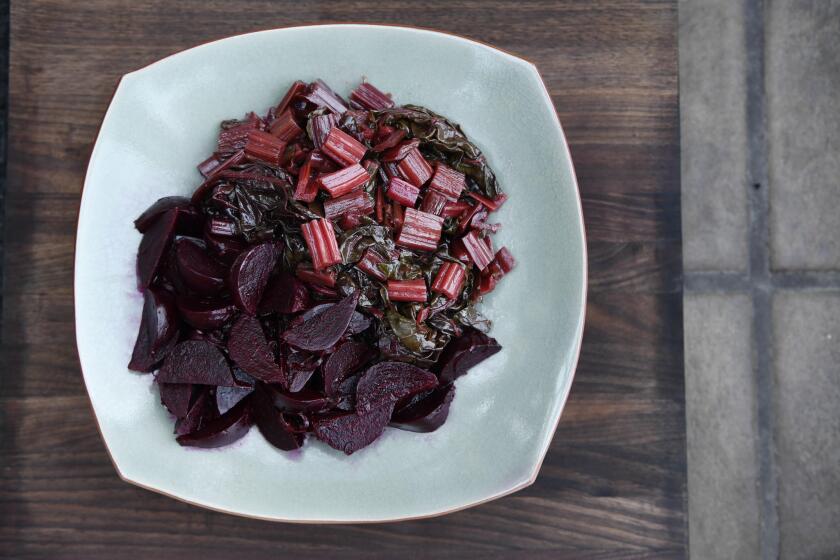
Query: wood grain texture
613, 484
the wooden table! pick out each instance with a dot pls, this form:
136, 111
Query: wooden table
613, 484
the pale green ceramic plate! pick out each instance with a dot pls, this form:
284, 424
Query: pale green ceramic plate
163, 120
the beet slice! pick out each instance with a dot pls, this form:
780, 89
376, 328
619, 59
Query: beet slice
299, 369
158, 331
273, 425
169, 276
199, 271
351, 432
466, 351
346, 393
307, 401
346, 360
153, 246
201, 412
298, 422
176, 397
324, 293
189, 218
196, 361
227, 397
358, 323
426, 412
248, 348
249, 274
223, 430
285, 294
215, 337
226, 249
243, 379
324, 328
390, 382
205, 314
161, 205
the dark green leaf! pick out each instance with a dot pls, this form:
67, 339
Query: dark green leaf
352, 244
260, 208
444, 140
472, 317
421, 341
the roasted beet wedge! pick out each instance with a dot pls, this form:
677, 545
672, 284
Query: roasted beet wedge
322, 330
168, 276
390, 382
176, 397
359, 322
214, 337
466, 351
153, 247
307, 401
249, 274
224, 430
272, 423
205, 314
248, 348
158, 330
189, 219
226, 249
227, 397
202, 410
198, 270
285, 294
243, 379
347, 359
351, 432
196, 361
299, 369
426, 412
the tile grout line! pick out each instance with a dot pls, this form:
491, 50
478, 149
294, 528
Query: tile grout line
759, 270
716, 281
712, 281
807, 279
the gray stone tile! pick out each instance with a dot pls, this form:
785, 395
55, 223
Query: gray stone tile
803, 80
720, 412
807, 400
714, 141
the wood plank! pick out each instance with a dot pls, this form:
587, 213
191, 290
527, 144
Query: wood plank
635, 266
613, 483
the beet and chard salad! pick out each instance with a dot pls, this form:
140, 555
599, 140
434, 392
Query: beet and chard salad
323, 277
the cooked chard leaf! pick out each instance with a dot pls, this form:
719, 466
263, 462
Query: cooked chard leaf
353, 280
470, 316
444, 324
444, 140
352, 244
408, 266
259, 206
295, 252
353, 122
422, 341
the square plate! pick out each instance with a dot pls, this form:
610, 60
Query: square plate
163, 120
